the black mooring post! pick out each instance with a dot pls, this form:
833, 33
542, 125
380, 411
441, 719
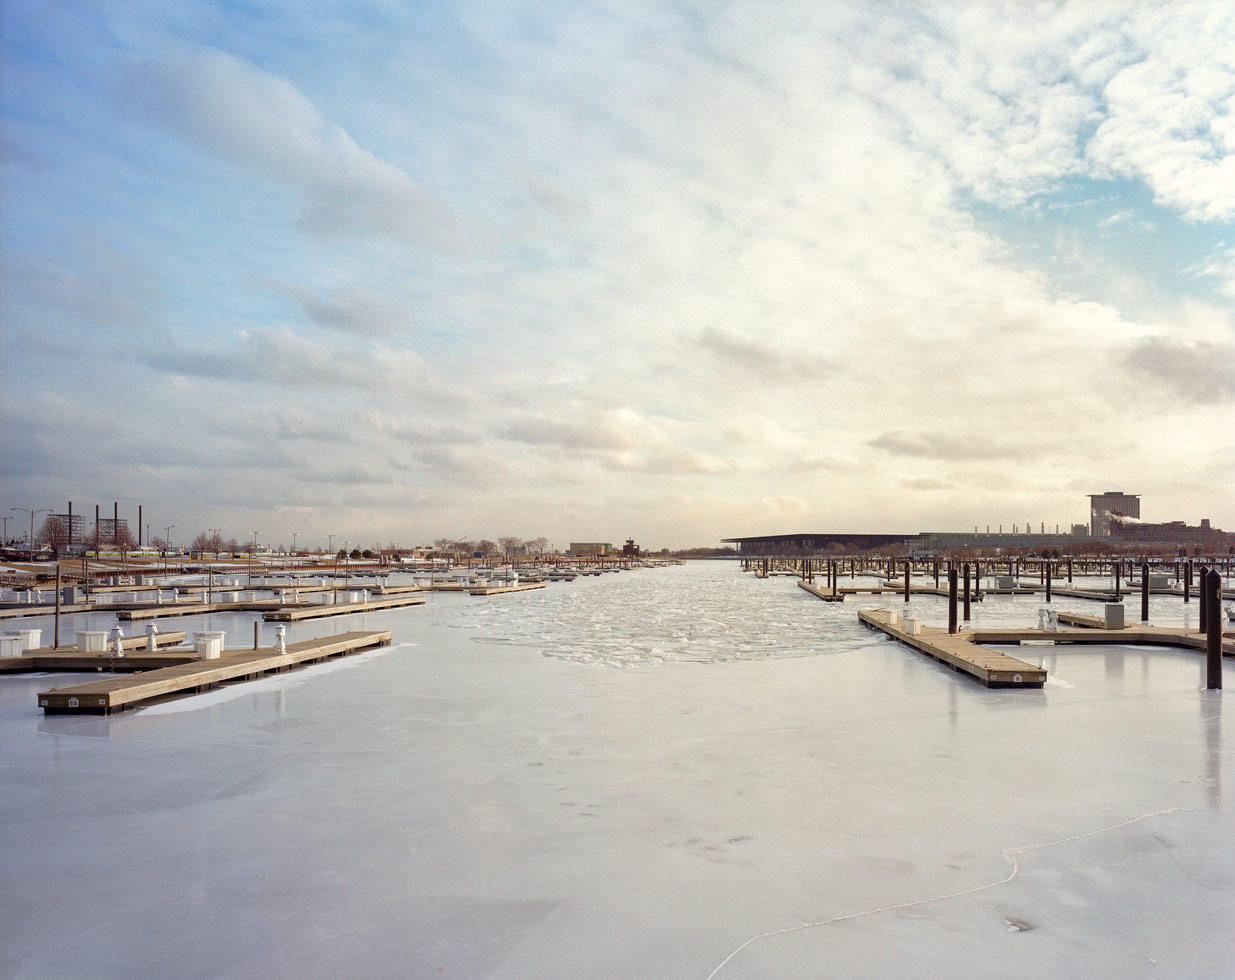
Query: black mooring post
952, 600
906, 581
1188, 581
1213, 634
1203, 598
966, 591
835, 579
1118, 594
936, 573
1144, 592
1069, 571
977, 580
1046, 577
56, 639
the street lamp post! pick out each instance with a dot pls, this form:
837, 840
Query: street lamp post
252, 552
294, 535
32, 511
167, 542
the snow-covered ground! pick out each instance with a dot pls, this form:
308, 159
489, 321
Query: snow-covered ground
674, 773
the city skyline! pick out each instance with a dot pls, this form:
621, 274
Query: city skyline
673, 271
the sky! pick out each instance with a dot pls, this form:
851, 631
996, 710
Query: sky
671, 270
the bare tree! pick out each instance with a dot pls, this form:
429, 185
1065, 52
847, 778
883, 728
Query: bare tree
538, 546
509, 545
53, 532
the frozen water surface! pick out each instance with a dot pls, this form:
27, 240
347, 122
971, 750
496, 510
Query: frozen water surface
765, 789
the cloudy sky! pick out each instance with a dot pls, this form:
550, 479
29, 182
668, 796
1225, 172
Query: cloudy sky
676, 270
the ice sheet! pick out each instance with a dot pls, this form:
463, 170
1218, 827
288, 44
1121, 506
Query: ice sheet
826, 803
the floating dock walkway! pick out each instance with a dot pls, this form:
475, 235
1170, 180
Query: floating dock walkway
193, 676
958, 650
499, 589
320, 610
964, 651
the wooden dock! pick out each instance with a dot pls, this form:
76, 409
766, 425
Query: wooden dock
959, 651
965, 651
320, 610
69, 658
112, 694
499, 589
821, 592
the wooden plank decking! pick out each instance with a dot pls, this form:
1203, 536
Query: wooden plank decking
499, 589
958, 651
965, 651
320, 610
820, 592
117, 693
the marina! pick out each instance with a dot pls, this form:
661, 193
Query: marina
781, 779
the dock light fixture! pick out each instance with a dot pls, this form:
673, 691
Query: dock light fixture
31, 512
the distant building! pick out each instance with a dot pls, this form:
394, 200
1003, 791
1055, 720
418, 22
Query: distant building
1172, 533
110, 530
812, 543
1080, 530
68, 531
590, 549
1103, 506
630, 549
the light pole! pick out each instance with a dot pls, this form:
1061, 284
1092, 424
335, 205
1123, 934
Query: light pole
214, 546
32, 512
294, 535
5, 540
167, 535
252, 552
330, 543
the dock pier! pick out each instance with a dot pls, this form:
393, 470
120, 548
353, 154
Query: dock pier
191, 675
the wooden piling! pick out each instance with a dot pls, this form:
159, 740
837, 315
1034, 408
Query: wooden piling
1213, 631
951, 600
1144, 592
966, 591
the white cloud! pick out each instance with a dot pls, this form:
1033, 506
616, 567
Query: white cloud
263, 124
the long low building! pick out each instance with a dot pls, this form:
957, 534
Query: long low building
782, 544
1139, 535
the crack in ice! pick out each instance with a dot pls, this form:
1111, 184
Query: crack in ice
1012, 855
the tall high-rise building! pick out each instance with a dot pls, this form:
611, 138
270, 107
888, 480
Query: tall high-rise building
1102, 506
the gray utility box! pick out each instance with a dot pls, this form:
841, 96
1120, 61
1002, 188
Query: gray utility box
1114, 615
